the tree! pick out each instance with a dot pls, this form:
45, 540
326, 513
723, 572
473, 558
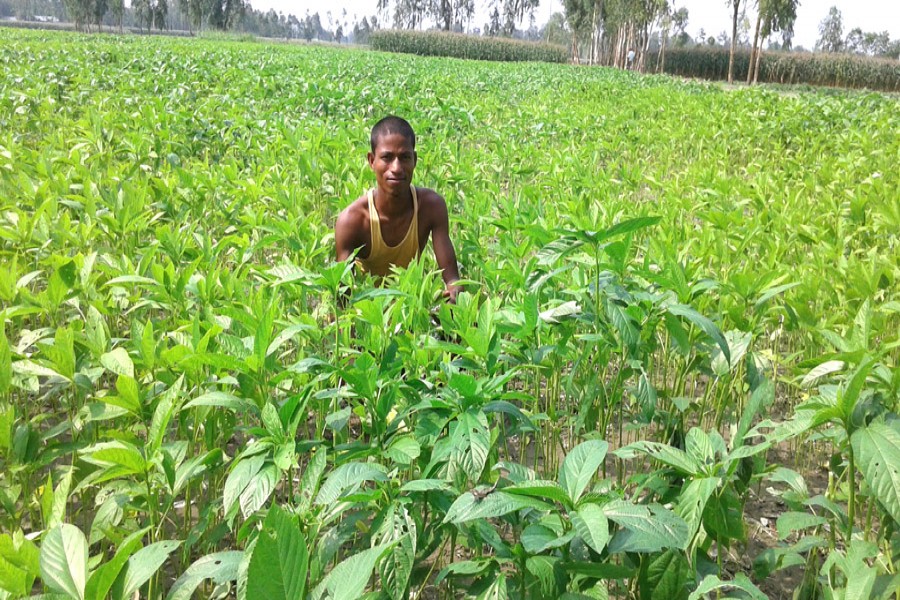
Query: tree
831, 32
736, 5
117, 7
679, 24
555, 30
579, 16
515, 11
774, 15
493, 27
339, 33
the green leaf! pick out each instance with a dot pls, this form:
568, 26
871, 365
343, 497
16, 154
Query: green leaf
496, 591
5, 363
397, 566
740, 582
143, 564
259, 489
348, 475
645, 528
669, 456
537, 538
348, 580
495, 504
121, 454
592, 526
222, 400
666, 577
469, 445
549, 575
580, 466
877, 453
403, 450
792, 521
538, 488
239, 478
280, 559
220, 567
692, 501
102, 580
826, 368
64, 556
706, 325
118, 362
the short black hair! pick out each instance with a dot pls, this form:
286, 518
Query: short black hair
392, 124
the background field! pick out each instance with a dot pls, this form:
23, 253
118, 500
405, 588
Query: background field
175, 363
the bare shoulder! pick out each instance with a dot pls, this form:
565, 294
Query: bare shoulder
354, 216
432, 205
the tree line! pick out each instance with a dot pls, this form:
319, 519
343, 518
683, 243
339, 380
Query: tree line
624, 33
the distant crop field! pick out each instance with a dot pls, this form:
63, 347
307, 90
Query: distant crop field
673, 372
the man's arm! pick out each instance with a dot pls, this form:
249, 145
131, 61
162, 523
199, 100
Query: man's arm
443, 249
346, 235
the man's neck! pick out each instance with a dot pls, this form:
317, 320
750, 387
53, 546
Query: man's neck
393, 205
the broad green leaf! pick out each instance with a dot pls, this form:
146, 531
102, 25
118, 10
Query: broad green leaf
580, 466
791, 521
496, 591
666, 577
280, 559
396, 567
346, 476
118, 362
707, 326
469, 445
348, 580
143, 564
877, 453
64, 556
496, 504
536, 538
692, 501
258, 490
103, 579
672, 457
426, 485
222, 400
220, 567
539, 488
645, 528
403, 450
826, 368
5, 366
592, 526
239, 478
740, 582
549, 575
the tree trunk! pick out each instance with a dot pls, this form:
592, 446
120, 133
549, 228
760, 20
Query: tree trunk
661, 61
737, 5
758, 59
753, 51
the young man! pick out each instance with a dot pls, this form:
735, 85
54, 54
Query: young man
390, 225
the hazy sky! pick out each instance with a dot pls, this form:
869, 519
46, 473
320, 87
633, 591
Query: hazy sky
713, 16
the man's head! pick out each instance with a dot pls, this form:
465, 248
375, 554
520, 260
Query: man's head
393, 155
392, 124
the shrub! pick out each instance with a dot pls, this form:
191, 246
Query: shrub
435, 43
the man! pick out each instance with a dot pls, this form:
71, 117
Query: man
391, 224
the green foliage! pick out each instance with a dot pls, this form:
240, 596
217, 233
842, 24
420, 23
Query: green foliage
677, 298
458, 45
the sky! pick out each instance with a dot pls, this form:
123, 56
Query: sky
714, 16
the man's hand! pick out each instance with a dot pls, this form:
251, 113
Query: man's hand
451, 292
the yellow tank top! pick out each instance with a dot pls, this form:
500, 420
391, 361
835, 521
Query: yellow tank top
381, 256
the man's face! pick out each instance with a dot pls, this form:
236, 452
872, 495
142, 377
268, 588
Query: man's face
393, 161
